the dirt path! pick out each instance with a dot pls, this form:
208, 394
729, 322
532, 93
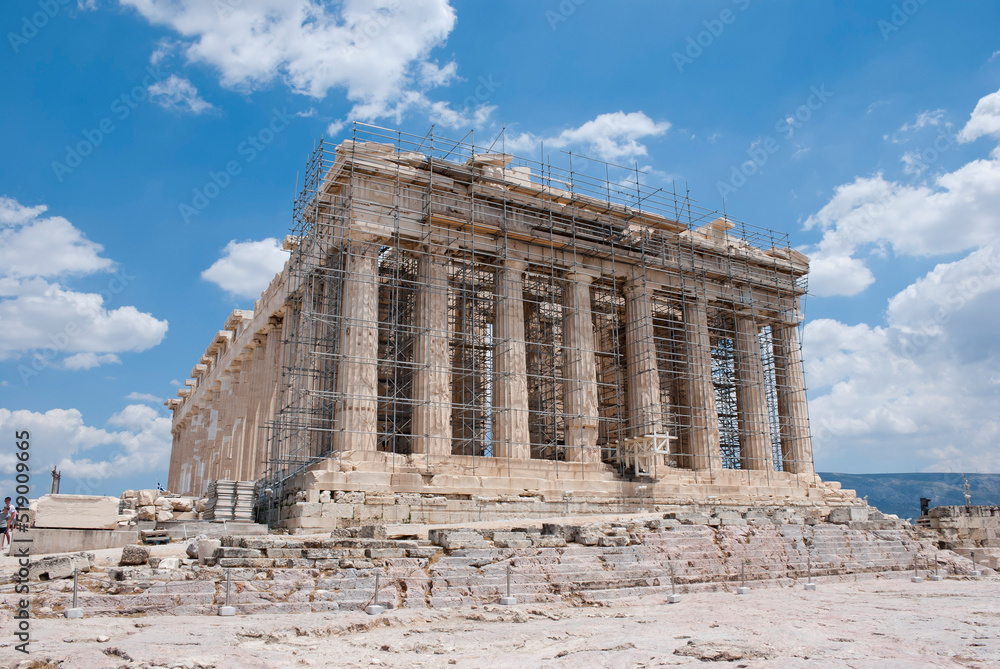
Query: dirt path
879, 623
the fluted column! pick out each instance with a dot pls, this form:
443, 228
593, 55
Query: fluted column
357, 373
793, 411
432, 364
751, 398
645, 411
510, 377
702, 414
579, 370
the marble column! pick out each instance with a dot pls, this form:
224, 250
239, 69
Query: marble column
510, 376
579, 370
793, 411
357, 373
645, 412
702, 414
751, 398
431, 360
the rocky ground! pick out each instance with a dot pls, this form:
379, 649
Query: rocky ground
881, 622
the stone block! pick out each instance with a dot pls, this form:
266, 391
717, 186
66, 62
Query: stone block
588, 536
348, 497
372, 532
455, 539
511, 539
182, 504
49, 568
163, 516
337, 510
169, 563
146, 497
84, 512
613, 541
133, 555
146, 513
847, 514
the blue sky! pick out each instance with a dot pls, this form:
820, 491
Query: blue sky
869, 131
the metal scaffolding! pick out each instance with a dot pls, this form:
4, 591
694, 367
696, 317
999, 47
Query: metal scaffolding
448, 215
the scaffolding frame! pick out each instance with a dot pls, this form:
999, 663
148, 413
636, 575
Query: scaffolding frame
476, 205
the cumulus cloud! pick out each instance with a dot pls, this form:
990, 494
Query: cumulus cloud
377, 51
985, 119
178, 94
613, 137
45, 319
246, 268
33, 245
921, 387
956, 212
136, 440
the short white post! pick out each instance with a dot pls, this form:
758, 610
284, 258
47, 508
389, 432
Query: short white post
508, 600
809, 573
228, 610
673, 598
975, 571
936, 576
916, 574
374, 608
76, 611
743, 589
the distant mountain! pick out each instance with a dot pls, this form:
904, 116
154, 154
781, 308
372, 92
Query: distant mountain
900, 493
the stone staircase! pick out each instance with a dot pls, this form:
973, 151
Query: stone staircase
292, 574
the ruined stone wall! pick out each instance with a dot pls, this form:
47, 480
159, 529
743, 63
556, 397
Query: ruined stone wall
968, 528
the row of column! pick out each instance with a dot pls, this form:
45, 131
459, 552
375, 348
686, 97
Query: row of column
356, 412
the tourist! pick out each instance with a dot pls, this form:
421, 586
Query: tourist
8, 516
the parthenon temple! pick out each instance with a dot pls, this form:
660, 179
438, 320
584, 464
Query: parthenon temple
459, 333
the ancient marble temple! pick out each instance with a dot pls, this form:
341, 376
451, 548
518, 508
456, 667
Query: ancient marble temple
461, 334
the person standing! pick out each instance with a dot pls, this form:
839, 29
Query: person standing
8, 516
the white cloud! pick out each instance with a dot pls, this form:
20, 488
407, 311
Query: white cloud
144, 397
31, 245
612, 137
246, 268
138, 442
90, 360
44, 318
41, 316
985, 119
925, 118
374, 50
956, 212
922, 387
178, 94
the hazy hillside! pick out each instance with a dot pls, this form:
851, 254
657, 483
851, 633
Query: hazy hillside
900, 493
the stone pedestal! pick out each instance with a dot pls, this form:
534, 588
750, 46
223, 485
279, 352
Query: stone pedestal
702, 416
580, 371
432, 366
751, 398
357, 374
645, 413
796, 444
510, 382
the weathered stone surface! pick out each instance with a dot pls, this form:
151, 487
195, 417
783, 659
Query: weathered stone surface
848, 514
147, 497
62, 566
77, 512
146, 513
134, 555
